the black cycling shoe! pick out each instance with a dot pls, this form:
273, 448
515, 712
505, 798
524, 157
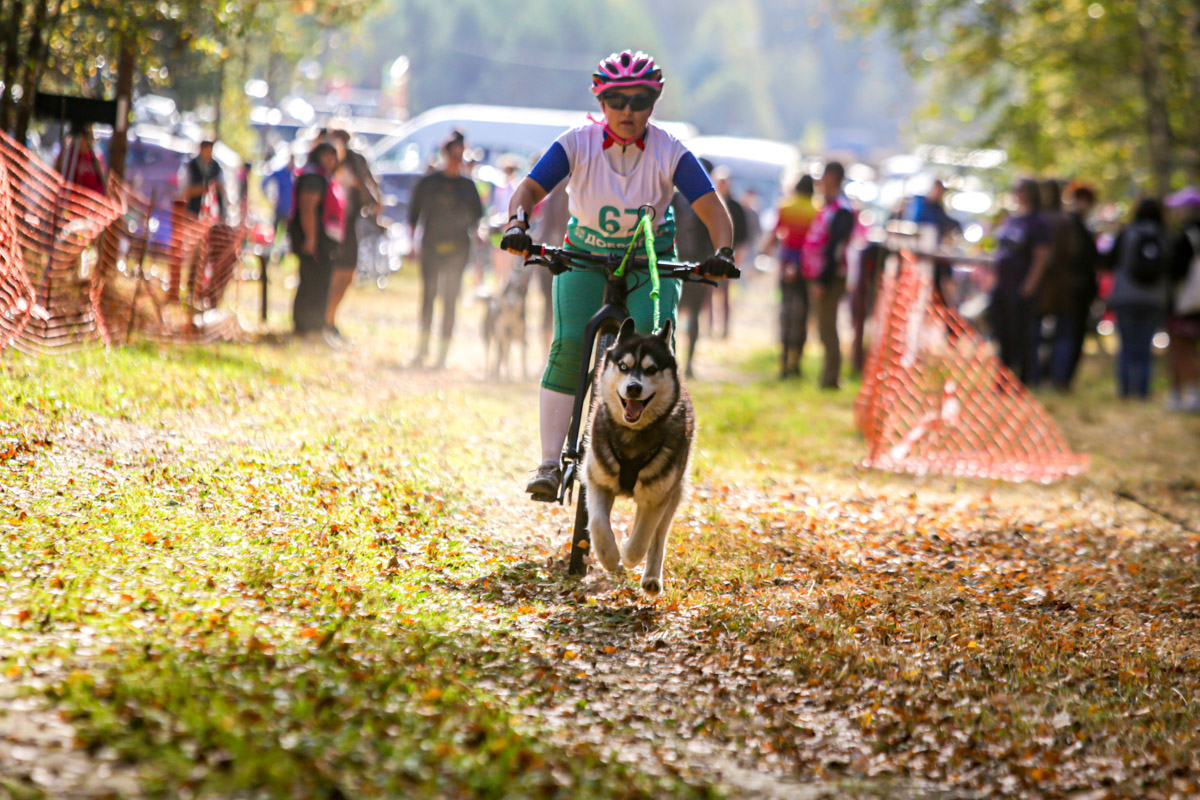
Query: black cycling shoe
544, 484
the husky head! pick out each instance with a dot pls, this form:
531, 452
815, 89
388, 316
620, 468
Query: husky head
640, 381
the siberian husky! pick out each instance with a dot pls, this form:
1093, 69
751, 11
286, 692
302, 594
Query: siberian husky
640, 441
504, 326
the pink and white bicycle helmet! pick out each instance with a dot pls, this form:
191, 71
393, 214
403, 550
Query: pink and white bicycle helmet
626, 69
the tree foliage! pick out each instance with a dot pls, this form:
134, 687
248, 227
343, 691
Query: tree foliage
186, 47
1096, 89
775, 68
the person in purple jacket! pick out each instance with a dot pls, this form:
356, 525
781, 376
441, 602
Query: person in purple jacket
1022, 254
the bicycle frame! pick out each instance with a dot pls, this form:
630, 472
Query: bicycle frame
608, 319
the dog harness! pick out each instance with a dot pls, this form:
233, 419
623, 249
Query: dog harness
630, 469
628, 476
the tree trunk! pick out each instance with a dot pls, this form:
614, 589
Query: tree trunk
1160, 137
1191, 152
220, 97
12, 58
35, 58
119, 145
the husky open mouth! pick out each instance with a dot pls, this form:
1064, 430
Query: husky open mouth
634, 407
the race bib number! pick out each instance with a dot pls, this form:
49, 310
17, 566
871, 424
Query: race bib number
610, 219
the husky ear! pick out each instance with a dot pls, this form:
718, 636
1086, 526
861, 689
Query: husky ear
628, 330
667, 334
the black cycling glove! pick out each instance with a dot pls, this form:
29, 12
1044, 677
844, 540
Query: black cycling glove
719, 265
516, 240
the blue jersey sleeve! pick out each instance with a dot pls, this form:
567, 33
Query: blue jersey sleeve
691, 179
551, 168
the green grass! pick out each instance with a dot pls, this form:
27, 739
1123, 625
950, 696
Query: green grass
770, 424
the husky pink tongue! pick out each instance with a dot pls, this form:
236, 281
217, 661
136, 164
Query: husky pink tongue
633, 409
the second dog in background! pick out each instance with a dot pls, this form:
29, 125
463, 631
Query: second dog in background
504, 326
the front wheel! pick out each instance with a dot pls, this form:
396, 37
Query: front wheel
580, 539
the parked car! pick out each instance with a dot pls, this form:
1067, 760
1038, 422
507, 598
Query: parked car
763, 165
397, 187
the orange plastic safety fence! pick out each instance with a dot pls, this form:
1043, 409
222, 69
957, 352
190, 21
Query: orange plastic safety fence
56, 224
166, 272
16, 294
76, 266
142, 265
936, 399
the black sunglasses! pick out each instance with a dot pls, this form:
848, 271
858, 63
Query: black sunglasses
637, 102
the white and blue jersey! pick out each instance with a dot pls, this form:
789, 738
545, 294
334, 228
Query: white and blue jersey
609, 182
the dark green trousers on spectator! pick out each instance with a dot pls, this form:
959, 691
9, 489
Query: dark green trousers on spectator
827, 310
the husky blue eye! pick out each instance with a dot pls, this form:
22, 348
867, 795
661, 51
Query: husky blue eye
623, 367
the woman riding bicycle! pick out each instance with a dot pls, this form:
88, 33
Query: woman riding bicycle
614, 167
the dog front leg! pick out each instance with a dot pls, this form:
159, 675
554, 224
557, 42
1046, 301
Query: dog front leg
604, 542
652, 579
645, 522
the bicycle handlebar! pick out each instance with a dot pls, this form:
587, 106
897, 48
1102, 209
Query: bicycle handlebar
552, 256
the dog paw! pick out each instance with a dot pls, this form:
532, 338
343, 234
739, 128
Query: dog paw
611, 564
652, 587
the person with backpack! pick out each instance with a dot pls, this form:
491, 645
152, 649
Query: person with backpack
1139, 295
1183, 320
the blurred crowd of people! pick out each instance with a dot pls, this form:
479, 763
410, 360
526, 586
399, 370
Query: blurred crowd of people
1056, 277
323, 203
813, 237
1053, 278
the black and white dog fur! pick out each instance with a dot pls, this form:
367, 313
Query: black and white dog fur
640, 441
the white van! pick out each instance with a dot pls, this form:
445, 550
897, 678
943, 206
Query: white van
763, 165
493, 130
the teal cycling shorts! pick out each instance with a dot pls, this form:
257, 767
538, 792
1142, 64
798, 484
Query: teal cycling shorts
577, 296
